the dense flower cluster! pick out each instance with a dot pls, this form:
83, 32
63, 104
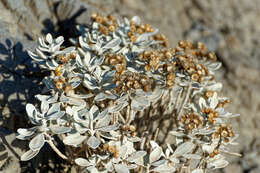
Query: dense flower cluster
116, 96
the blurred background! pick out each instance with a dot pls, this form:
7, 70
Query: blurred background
231, 28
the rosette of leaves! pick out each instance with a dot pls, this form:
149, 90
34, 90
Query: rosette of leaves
45, 125
92, 126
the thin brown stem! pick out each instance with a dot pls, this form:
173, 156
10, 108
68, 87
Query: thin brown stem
184, 101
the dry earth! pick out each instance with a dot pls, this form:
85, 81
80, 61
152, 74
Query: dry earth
231, 28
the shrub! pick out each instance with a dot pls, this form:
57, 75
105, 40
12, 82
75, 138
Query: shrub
120, 99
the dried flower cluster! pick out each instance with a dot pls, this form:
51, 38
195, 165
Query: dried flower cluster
121, 100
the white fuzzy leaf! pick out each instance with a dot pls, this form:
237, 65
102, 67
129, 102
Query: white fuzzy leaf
217, 164
74, 139
136, 155
184, 148
49, 38
113, 43
26, 132
31, 111
202, 102
56, 129
109, 128
82, 162
29, 155
214, 101
155, 154
93, 142
37, 142
164, 168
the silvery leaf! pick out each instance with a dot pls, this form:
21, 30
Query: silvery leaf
120, 168
184, 148
145, 36
155, 154
27, 132
99, 97
213, 101
79, 128
44, 107
48, 83
156, 94
84, 96
54, 109
136, 155
56, 115
214, 66
102, 114
92, 169
90, 84
208, 148
83, 162
180, 75
34, 56
37, 142
113, 43
139, 103
154, 144
174, 160
42, 42
102, 96
29, 155
75, 82
214, 87
31, 111
74, 139
93, 112
97, 61
109, 128
47, 98
117, 107
40, 54
93, 142
51, 65
202, 102
159, 163
217, 164
103, 122
59, 40
49, 38
164, 168
198, 170
204, 131
66, 50
109, 86
56, 129
72, 101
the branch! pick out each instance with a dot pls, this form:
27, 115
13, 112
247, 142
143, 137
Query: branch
49, 141
184, 101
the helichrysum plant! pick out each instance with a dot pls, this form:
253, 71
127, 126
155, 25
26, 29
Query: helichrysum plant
122, 101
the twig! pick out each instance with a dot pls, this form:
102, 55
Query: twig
49, 141
184, 101
156, 134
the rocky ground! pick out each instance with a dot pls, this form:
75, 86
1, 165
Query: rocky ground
231, 28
